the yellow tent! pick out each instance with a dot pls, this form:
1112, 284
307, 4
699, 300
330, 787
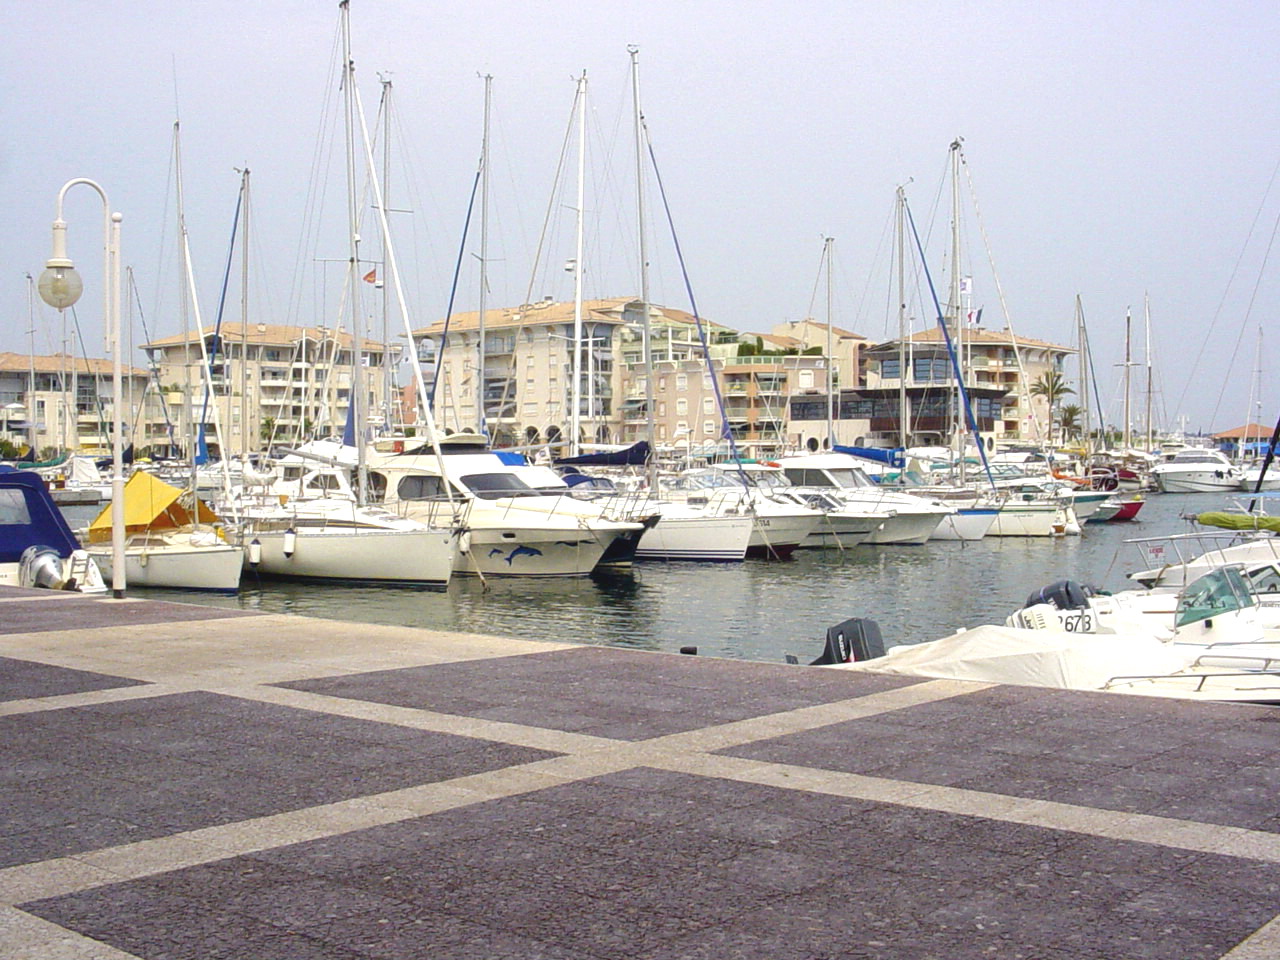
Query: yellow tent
149, 504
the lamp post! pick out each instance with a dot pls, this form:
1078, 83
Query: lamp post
60, 287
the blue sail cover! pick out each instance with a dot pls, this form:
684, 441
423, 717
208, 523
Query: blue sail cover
635, 455
892, 457
29, 517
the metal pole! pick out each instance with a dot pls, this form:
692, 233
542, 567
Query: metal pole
575, 416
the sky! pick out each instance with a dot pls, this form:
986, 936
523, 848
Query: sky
1113, 151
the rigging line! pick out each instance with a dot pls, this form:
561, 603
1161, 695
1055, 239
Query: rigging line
1023, 386
1226, 290
217, 327
151, 359
1253, 296
955, 359
537, 256
726, 430
97, 374
453, 291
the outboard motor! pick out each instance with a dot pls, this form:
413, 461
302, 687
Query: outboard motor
1063, 594
41, 567
857, 639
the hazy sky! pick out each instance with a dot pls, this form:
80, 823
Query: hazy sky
1113, 149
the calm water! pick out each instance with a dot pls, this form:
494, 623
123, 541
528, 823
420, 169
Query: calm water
757, 610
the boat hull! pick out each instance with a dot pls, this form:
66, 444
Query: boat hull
967, 523
423, 557
213, 568
1208, 481
906, 529
705, 539
1030, 520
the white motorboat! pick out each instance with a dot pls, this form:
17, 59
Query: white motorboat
172, 540
1196, 471
779, 525
1251, 474
907, 519
688, 531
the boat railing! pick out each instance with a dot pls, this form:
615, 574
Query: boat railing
1186, 547
1197, 680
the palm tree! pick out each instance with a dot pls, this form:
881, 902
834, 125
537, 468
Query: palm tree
1069, 420
1053, 387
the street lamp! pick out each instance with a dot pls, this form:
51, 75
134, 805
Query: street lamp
60, 287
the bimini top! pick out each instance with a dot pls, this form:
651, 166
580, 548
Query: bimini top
29, 517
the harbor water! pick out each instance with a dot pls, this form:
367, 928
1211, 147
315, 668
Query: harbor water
756, 610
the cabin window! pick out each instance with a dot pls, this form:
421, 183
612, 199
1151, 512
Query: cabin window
13, 508
1265, 581
377, 488
419, 488
324, 482
494, 486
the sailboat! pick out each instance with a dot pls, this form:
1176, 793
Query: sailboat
344, 538
172, 539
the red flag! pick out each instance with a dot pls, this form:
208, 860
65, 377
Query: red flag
371, 276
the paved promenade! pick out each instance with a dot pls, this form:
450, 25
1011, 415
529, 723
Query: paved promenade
185, 783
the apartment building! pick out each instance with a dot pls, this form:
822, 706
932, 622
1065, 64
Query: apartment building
68, 401
268, 383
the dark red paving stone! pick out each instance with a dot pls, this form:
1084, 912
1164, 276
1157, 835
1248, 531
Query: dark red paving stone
546, 876
119, 772
27, 679
623, 694
87, 613
1130, 754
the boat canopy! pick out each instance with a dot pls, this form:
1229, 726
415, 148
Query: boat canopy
150, 504
890, 457
29, 517
633, 456
1239, 521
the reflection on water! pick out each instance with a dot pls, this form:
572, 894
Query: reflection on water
755, 610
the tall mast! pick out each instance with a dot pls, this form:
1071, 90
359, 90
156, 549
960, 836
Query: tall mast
484, 255
1146, 310
645, 332
956, 314
1083, 359
1128, 323
356, 394
831, 382
575, 417
382, 278
902, 320
31, 389
244, 315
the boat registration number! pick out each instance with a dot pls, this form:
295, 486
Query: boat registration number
1078, 623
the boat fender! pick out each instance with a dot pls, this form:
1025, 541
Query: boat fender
143, 559
255, 552
464, 542
691, 651
290, 542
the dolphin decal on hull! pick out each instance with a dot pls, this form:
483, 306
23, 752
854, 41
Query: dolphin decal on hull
517, 552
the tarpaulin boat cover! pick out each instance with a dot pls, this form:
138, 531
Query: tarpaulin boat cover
1239, 521
633, 456
880, 454
29, 517
149, 504
1040, 658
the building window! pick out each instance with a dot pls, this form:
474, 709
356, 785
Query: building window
709, 427
682, 406
806, 379
708, 404
682, 382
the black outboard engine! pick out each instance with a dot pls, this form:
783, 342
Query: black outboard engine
857, 639
1064, 595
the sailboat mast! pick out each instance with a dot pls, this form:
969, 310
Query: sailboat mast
382, 276
356, 393
1146, 311
831, 380
645, 332
484, 255
575, 417
902, 320
1128, 323
244, 316
956, 317
1082, 357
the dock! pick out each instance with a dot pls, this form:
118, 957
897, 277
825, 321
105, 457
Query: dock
191, 782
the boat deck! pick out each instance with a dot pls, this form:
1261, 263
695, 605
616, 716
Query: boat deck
184, 782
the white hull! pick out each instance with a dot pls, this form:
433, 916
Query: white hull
531, 552
966, 524
704, 538
423, 556
834, 530
1198, 482
1250, 482
906, 528
1031, 521
780, 534
177, 566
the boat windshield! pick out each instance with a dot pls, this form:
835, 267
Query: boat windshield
495, 486
847, 477
1222, 591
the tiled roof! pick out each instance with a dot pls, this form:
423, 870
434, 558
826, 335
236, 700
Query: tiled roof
91, 366
548, 311
264, 334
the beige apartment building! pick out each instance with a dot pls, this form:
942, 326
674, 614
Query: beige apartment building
269, 383
69, 402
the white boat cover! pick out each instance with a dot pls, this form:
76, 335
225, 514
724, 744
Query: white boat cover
1042, 658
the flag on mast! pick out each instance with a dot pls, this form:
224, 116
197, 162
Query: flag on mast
371, 276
